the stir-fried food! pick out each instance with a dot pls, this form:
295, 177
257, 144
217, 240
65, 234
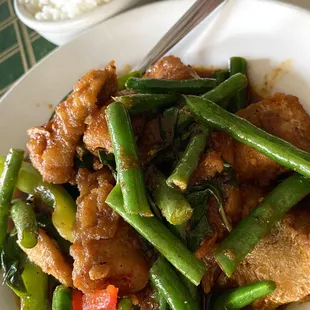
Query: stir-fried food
52, 146
51, 260
282, 116
167, 189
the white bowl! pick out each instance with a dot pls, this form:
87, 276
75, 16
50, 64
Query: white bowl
61, 32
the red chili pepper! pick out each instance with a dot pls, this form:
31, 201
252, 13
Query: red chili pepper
77, 300
99, 300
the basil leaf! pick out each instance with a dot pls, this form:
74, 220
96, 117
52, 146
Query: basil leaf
167, 123
199, 225
12, 258
108, 159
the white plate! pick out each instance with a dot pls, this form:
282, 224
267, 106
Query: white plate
270, 35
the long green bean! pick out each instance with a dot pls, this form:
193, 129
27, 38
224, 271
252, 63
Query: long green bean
243, 296
233, 249
62, 298
227, 89
171, 202
240, 129
188, 164
8, 181
124, 78
240, 100
127, 161
141, 103
166, 280
161, 238
25, 223
193, 86
219, 95
221, 75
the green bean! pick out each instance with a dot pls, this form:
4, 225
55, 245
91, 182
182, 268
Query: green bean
218, 95
184, 119
141, 103
166, 280
36, 283
193, 86
221, 76
25, 223
240, 100
125, 304
160, 299
8, 181
161, 238
173, 205
227, 89
123, 79
127, 161
182, 173
240, 129
192, 289
62, 298
243, 296
233, 249
30, 181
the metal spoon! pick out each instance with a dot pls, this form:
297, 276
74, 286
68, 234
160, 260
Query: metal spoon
195, 14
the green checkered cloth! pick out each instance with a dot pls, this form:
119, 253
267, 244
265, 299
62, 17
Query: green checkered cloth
20, 47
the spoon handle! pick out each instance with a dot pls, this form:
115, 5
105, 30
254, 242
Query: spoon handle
195, 14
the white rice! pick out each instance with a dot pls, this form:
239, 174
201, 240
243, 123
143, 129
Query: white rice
50, 10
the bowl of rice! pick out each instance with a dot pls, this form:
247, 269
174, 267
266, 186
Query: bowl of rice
60, 21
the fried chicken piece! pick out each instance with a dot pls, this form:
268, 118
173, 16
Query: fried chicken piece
232, 201
210, 164
105, 250
170, 68
97, 134
280, 115
251, 196
151, 140
205, 253
223, 144
94, 218
118, 261
52, 146
282, 256
47, 255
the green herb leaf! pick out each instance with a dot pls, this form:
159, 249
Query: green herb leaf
167, 126
107, 159
199, 225
12, 258
198, 197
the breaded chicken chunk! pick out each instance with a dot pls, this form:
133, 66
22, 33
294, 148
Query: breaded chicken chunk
106, 250
280, 115
97, 135
52, 146
94, 218
48, 256
118, 261
170, 68
282, 256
